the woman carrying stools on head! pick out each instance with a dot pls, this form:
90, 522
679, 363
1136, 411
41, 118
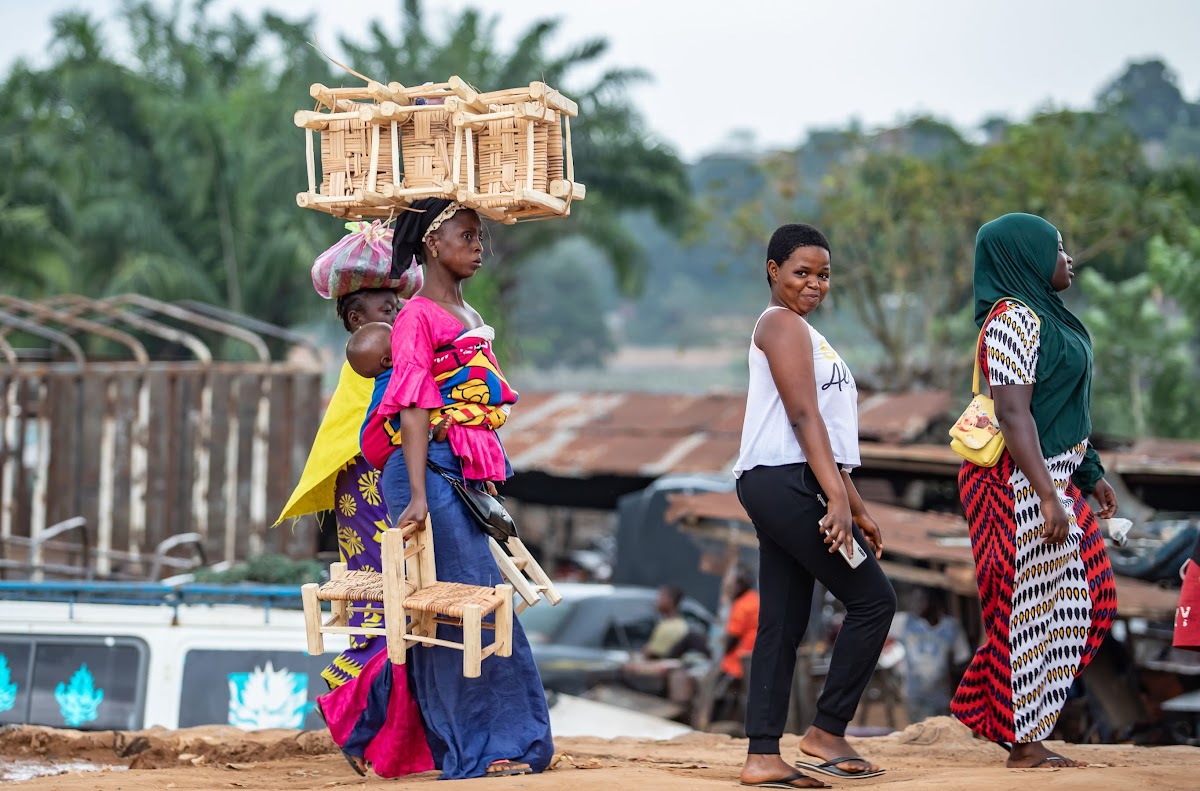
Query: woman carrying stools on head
442, 360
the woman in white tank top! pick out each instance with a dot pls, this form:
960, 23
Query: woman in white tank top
799, 444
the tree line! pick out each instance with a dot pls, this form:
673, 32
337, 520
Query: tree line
170, 169
901, 207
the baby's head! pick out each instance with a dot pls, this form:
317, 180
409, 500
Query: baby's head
369, 350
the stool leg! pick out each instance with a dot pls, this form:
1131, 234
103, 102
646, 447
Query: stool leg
504, 621
534, 570
312, 618
512, 574
395, 619
341, 615
472, 641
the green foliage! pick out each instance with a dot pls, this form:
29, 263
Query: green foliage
165, 176
173, 171
901, 208
1147, 97
268, 569
1146, 374
1176, 268
559, 315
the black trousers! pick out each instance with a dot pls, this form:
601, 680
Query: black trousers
782, 502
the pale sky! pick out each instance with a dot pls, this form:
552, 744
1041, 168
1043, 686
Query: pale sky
779, 68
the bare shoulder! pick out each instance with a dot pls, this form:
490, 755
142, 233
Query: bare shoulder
781, 328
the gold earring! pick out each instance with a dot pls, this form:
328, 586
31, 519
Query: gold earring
434, 251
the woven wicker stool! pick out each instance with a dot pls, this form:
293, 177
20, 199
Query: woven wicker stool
507, 154
524, 573
522, 144
414, 603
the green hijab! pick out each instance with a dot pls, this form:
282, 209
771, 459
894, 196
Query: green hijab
1015, 256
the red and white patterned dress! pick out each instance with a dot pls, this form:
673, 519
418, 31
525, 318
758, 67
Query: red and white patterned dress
1046, 609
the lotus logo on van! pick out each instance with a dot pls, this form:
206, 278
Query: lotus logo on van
8, 687
79, 702
268, 698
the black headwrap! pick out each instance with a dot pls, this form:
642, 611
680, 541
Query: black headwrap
410, 229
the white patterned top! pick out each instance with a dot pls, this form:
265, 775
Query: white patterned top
1011, 340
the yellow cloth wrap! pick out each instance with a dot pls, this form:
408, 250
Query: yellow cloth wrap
468, 414
461, 412
335, 446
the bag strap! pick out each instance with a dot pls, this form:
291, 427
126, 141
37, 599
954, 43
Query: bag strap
979, 341
454, 481
440, 470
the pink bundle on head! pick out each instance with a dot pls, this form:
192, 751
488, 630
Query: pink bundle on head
363, 259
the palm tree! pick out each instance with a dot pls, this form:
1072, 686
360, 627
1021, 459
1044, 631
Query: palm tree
174, 172
625, 169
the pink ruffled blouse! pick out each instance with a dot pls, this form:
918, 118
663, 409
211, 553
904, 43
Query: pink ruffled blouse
421, 327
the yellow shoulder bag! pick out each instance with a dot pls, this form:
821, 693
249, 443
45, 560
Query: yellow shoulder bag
976, 434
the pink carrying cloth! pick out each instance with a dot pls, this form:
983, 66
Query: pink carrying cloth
399, 748
421, 328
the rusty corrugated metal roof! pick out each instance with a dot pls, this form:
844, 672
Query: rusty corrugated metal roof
902, 417
921, 536
1159, 449
646, 434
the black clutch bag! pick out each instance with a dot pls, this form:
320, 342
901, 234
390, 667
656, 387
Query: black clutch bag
485, 509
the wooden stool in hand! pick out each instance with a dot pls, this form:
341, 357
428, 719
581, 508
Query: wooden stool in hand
414, 603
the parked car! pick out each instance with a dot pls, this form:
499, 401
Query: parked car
595, 631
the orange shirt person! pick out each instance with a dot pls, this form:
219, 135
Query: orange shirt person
742, 625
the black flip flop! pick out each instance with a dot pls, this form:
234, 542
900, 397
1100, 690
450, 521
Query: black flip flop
831, 769
784, 782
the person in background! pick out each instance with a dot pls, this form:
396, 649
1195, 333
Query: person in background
742, 625
1187, 614
935, 653
368, 288
671, 630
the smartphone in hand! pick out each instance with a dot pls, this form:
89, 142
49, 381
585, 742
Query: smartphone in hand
851, 550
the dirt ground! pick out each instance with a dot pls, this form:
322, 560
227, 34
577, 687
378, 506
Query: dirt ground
935, 754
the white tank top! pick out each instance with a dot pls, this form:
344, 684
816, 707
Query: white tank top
767, 437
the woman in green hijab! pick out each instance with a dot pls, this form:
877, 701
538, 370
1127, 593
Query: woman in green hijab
1045, 582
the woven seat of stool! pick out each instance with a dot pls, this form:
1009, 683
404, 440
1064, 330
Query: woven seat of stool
357, 586
449, 598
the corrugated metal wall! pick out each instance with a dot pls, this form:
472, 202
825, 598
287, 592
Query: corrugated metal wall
148, 448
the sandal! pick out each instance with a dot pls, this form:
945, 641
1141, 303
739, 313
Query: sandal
785, 782
353, 760
508, 769
832, 769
